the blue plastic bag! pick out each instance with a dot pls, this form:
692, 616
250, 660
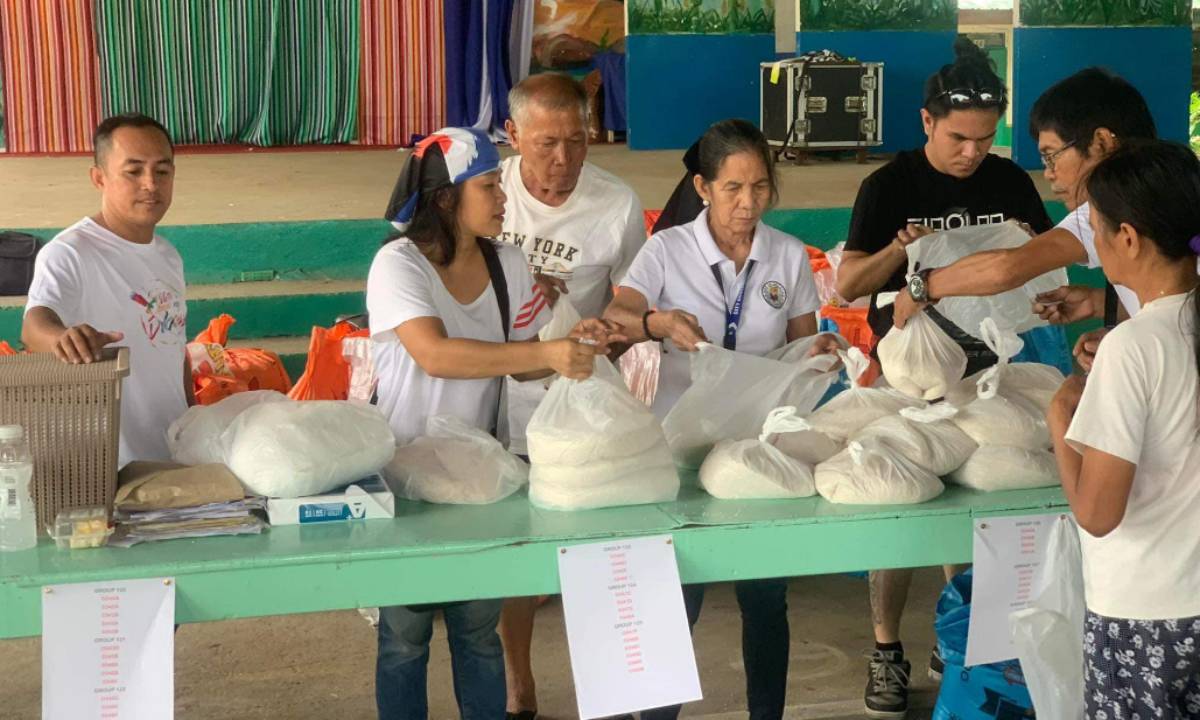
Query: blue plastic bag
1047, 345
984, 692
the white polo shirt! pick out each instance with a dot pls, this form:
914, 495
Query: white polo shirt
674, 272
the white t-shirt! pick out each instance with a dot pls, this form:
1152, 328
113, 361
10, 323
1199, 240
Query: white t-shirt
1076, 223
588, 241
1141, 405
88, 275
403, 285
674, 272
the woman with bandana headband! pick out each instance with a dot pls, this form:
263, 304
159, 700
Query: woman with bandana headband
451, 313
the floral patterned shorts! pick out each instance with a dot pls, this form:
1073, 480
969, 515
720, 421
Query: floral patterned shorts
1141, 669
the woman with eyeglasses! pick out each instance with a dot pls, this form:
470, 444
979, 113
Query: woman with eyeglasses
950, 182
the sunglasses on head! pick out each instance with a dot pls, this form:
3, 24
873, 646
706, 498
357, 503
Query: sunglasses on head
960, 98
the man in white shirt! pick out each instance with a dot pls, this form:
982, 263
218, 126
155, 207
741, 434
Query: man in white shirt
580, 228
1078, 122
108, 279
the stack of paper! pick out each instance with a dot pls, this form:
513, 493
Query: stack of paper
225, 518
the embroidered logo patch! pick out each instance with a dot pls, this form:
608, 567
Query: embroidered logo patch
774, 294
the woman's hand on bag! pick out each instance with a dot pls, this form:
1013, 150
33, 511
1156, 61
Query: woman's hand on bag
570, 358
599, 333
825, 344
1086, 347
1068, 304
681, 328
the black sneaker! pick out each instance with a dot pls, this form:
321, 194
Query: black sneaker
887, 685
937, 666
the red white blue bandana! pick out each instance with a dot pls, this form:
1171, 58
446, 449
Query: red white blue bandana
447, 157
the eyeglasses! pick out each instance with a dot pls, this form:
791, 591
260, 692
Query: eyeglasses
1049, 159
963, 98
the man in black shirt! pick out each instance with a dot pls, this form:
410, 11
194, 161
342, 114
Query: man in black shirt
951, 182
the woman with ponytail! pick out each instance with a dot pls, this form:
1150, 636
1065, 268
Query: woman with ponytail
1126, 441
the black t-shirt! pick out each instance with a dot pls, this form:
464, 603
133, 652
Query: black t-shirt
909, 190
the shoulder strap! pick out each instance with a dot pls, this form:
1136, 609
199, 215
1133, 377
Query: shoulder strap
1110, 305
499, 283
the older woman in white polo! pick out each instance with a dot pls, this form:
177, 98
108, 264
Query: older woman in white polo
729, 279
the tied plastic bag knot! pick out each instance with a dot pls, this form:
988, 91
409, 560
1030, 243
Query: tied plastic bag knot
782, 420
1006, 344
874, 472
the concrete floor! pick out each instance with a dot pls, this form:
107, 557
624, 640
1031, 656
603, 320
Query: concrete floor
313, 667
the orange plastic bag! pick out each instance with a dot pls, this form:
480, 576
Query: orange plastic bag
6, 349
650, 217
326, 374
218, 372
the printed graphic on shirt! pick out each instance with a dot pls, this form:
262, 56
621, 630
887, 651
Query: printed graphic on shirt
957, 218
546, 256
163, 314
531, 309
774, 293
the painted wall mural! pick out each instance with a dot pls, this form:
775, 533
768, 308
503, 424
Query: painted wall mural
878, 14
567, 34
701, 16
1057, 13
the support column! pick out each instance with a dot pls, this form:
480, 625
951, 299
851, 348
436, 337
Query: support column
1149, 44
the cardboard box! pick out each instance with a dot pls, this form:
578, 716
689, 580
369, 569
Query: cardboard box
366, 499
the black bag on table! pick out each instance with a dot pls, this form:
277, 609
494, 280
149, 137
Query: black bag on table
17, 253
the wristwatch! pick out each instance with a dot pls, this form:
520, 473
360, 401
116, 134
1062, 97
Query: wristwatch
918, 286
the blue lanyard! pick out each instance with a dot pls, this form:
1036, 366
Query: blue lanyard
733, 315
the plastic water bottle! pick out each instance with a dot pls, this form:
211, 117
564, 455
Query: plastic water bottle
18, 528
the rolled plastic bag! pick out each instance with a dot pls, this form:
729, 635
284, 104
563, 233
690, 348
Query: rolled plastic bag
195, 438
925, 436
857, 407
1000, 467
1012, 308
920, 359
1030, 385
455, 463
296, 449
1048, 635
754, 469
731, 393
592, 444
875, 473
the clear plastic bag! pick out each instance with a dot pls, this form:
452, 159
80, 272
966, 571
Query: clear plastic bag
1012, 308
1048, 636
592, 444
754, 469
455, 463
731, 393
925, 436
196, 437
1001, 467
639, 367
875, 473
920, 359
858, 406
296, 449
